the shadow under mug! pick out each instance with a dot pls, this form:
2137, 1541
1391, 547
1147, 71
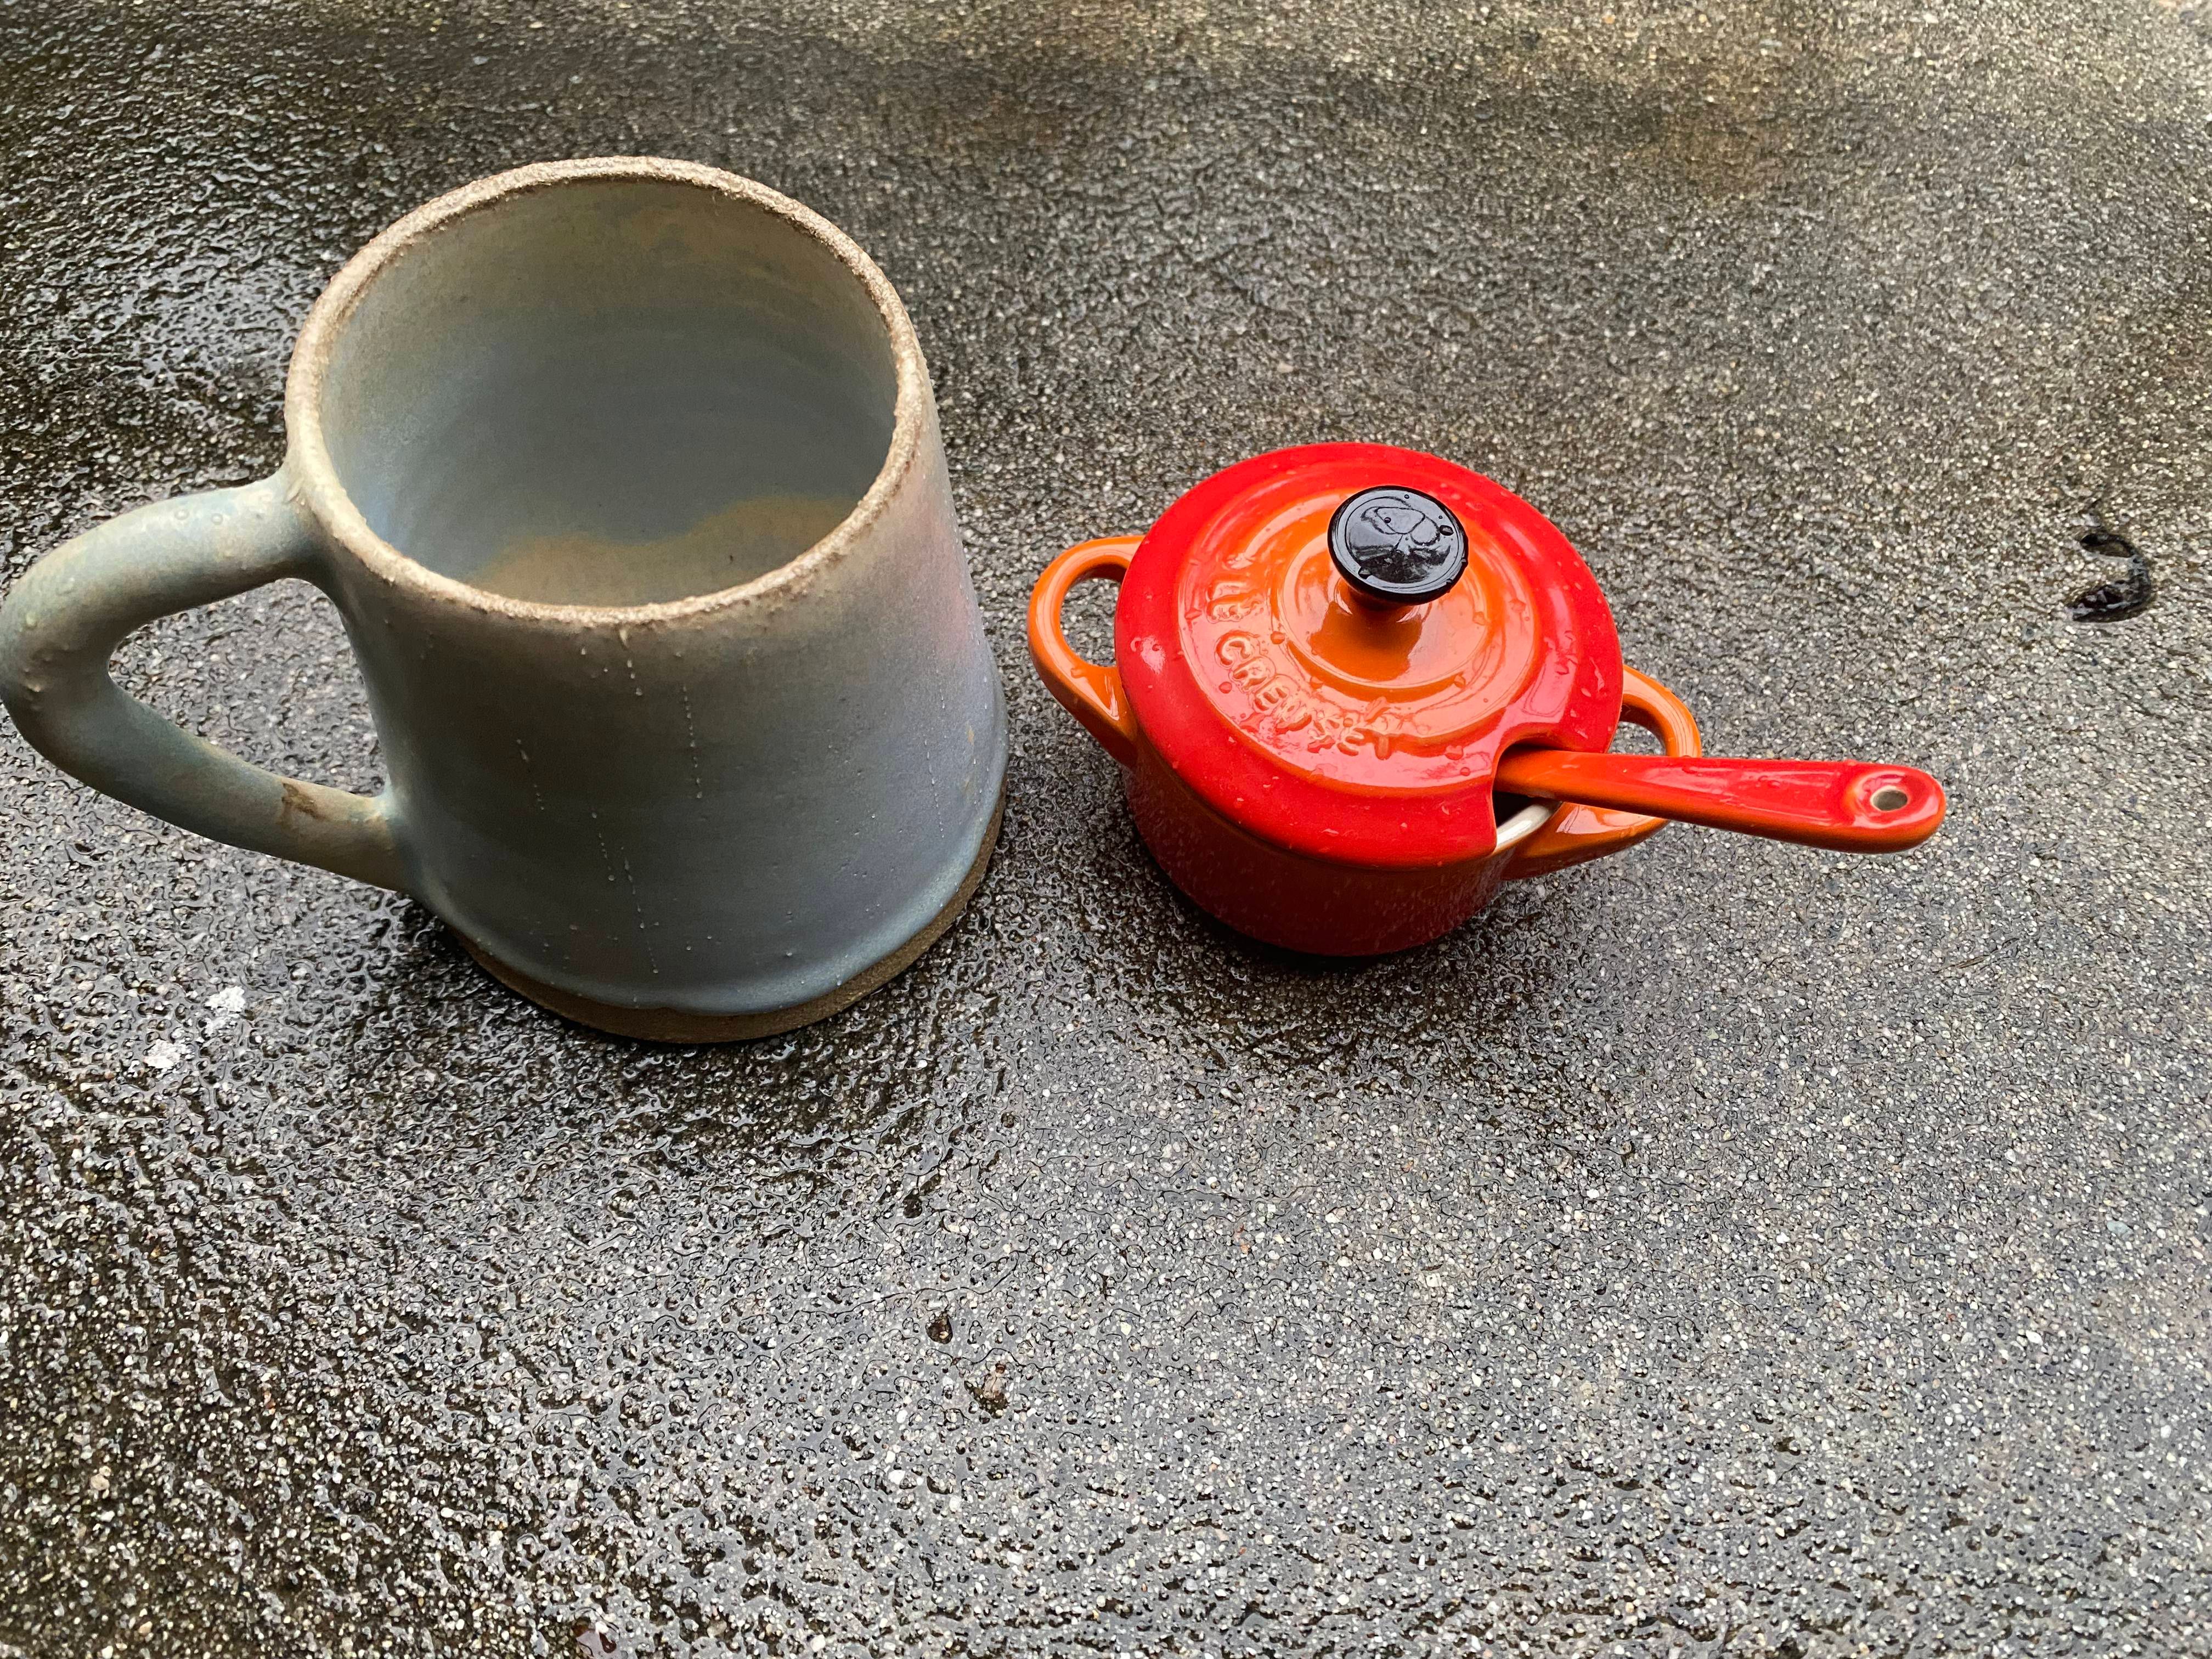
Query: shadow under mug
626, 479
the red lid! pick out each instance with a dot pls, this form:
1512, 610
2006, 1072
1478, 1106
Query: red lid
1332, 645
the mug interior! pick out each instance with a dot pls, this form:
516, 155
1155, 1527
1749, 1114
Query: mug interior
610, 391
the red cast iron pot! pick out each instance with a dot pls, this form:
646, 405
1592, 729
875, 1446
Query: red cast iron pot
1323, 657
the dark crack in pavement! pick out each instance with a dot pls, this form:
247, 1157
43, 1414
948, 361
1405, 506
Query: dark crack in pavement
1727, 1247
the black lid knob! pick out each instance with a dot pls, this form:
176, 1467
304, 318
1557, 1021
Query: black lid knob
1397, 546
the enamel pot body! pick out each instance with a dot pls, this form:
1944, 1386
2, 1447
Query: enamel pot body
1312, 766
680, 751
1325, 907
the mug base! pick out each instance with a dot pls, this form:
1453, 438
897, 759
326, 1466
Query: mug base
680, 1025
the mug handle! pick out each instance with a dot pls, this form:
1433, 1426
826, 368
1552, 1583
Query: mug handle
1578, 834
68, 613
1092, 691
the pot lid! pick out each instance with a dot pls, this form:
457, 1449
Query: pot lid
1332, 644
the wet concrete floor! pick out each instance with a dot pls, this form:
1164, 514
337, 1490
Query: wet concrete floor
1728, 1249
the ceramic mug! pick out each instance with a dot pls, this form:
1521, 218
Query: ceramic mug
626, 479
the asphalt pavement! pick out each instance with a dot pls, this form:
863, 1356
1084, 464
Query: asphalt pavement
1727, 1248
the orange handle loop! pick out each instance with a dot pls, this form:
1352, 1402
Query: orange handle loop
1578, 834
1092, 691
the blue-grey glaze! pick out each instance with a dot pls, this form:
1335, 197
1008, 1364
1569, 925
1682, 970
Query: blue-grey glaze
763, 771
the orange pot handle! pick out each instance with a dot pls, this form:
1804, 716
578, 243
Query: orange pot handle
1092, 691
1579, 834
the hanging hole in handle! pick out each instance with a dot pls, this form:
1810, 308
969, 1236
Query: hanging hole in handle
1889, 799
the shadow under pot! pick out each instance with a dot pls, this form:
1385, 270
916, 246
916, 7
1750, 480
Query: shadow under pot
1356, 688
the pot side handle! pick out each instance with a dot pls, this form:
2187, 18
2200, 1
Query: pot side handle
1579, 834
66, 615
1091, 691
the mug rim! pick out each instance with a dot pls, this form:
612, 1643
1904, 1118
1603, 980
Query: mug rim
307, 458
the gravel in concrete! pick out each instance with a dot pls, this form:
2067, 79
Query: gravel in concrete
1729, 1248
